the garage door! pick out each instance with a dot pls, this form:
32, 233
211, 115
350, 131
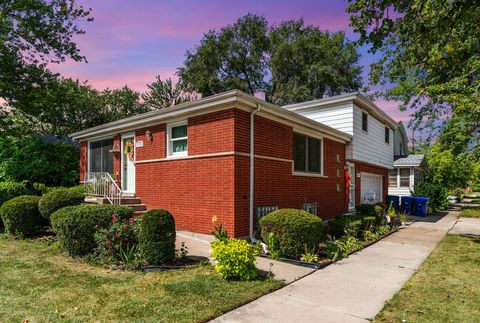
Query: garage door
371, 188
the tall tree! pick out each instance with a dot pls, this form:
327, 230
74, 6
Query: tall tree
121, 103
430, 55
32, 33
163, 94
291, 62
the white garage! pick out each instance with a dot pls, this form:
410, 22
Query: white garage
371, 188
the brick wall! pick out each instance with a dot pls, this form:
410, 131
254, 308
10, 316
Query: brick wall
194, 190
83, 160
366, 168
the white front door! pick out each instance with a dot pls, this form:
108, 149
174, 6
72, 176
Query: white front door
351, 197
128, 163
371, 188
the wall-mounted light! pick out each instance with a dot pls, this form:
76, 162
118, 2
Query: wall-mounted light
149, 135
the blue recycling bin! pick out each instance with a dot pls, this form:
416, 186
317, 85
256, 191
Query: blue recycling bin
407, 204
421, 206
393, 199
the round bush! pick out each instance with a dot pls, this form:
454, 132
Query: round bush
294, 229
20, 215
9, 190
75, 226
157, 236
235, 259
57, 199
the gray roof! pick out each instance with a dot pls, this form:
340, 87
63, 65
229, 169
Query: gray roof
409, 160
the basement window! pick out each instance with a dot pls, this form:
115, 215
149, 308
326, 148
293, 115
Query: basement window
310, 207
177, 137
307, 152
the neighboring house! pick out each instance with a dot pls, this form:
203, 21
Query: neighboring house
237, 157
370, 153
409, 170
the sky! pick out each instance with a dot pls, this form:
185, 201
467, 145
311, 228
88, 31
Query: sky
130, 42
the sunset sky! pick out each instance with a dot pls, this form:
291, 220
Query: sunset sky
132, 41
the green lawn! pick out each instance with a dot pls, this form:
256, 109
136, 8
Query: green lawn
470, 213
445, 289
39, 284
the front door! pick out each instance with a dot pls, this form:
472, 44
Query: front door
351, 171
128, 163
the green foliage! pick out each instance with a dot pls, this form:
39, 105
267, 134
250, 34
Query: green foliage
368, 235
75, 226
366, 209
343, 224
156, 237
391, 212
369, 222
382, 230
218, 231
292, 62
9, 190
437, 194
163, 94
31, 159
294, 229
235, 259
57, 199
273, 245
118, 243
20, 215
310, 255
342, 247
428, 50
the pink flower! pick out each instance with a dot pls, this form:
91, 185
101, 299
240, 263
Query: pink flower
131, 220
115, 234
109, 241
125, 228
114, 218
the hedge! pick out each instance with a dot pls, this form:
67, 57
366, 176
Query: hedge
9, 190
75, 226
295, 230
20, 215
57, 199
156, 237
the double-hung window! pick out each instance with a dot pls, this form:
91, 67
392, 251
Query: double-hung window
177, 140
307, 154
392, 178
404, 177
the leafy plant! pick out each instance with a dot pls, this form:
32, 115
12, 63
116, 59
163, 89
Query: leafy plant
382, 230
128, 254
57, 199
235, 259
368, 235
369, 223
391, 211
309, 256
157, 236
20, 215
218, 231
9, 190
436, 193
403, 217
293, 228
342, 247
273, 246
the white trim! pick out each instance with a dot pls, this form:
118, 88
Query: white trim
375, 175
299, 173
125, 135
170, 140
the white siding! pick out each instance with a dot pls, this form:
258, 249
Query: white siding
338, 117
370, 147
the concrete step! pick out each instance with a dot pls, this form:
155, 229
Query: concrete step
137, 207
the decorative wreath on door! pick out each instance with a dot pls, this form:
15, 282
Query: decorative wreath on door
129, 150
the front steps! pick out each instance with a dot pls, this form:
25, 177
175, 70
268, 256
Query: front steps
131, 201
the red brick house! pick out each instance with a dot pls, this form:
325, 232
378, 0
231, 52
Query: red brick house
231, 155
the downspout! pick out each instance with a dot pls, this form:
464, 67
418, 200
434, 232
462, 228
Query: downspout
252, 167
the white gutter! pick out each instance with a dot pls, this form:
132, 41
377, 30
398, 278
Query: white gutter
252, 168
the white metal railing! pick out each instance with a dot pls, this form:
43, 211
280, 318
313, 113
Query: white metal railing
102, 184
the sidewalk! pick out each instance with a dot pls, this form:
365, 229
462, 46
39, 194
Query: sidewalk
354, 289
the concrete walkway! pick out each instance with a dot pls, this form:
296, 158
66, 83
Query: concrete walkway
467, 226
354, 289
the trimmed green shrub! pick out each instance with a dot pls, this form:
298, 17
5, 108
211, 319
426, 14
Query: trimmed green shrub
9, 190
337, 226
235, 259
156, 237
366, 209
294, 229
20, 215
75, 226
57, 199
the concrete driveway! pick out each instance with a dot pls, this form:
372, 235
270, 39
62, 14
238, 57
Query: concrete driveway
354, 289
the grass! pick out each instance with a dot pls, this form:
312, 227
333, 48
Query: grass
470, 213
444, 289
40, 284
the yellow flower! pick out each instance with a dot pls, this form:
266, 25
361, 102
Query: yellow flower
214, 219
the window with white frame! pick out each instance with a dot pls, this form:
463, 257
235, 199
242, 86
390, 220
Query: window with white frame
404, 177
392, 178
307, 154
177, 139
